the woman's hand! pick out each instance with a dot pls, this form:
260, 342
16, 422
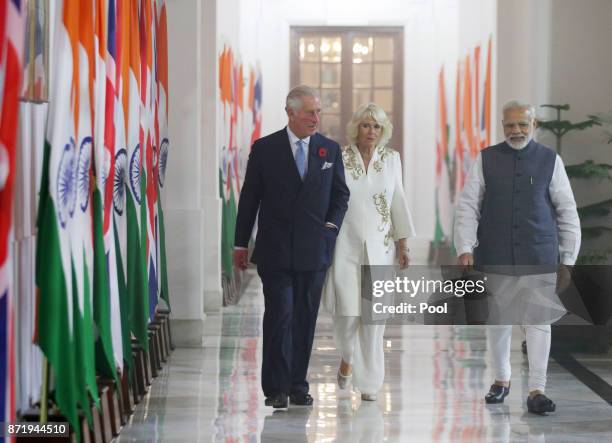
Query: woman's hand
402, 253
404, 260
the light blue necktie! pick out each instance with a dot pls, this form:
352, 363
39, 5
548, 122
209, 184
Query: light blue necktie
300, 158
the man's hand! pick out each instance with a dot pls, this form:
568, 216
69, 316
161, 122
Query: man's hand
466, 259
241, 258
564, 277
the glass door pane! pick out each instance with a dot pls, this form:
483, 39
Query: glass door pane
350, 67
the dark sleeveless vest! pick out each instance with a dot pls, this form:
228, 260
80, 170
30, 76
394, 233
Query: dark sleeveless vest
517, 231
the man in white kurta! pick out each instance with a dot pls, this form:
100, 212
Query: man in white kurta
377, 216
517, 212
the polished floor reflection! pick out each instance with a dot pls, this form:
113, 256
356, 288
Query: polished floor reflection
433, 392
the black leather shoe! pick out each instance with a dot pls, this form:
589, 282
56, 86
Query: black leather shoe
497, 394
540, 404
301, 399
277, 401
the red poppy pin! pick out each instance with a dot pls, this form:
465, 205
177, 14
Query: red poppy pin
322, 152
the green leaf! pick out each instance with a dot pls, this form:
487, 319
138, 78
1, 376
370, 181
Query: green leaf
600, 209
593, 257
589, 169
591, 232
566, 125
602, 117
557, 107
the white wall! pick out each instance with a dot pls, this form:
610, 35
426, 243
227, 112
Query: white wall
477, 23
524, 49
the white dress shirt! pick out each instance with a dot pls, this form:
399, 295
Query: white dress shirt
467, 213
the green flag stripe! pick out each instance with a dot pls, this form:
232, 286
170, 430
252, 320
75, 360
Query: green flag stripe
83, 333
54, 334
123, 305
105, 360
136, 279
162, 252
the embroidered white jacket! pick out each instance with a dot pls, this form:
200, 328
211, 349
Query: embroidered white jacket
377, 216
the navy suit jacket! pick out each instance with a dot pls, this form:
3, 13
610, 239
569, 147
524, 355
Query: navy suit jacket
292, 214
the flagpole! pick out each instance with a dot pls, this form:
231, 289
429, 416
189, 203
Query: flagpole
44, 392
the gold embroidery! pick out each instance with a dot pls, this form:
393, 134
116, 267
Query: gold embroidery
383, 153
351, 163
389, 238
382, 207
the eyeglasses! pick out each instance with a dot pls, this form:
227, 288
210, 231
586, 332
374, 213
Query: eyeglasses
368, 126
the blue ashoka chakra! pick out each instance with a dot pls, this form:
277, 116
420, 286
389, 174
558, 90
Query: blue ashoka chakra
119, 183
83, 172
163, 160
66, 184
135, 173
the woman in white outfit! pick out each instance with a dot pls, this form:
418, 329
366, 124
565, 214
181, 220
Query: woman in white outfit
374, 232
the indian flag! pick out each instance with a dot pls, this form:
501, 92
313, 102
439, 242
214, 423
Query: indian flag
148, 100
444, 207
121, 173
137, 287
112, 119
163, 142
81, 238
56, 212
103, 278
229, 209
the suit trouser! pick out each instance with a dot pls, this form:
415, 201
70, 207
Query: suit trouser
292, 301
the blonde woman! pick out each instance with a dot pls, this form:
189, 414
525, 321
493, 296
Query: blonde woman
376, 226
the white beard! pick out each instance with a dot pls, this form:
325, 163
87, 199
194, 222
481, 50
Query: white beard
519, 145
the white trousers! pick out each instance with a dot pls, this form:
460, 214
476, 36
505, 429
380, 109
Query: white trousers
538, 350
361, 345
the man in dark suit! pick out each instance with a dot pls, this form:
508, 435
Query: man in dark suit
295, 179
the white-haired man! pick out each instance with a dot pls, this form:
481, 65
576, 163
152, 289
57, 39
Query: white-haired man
517, 212
295, 181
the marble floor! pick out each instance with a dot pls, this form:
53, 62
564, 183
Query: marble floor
436, 377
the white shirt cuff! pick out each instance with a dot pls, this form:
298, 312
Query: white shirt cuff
465, 250
568, 260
